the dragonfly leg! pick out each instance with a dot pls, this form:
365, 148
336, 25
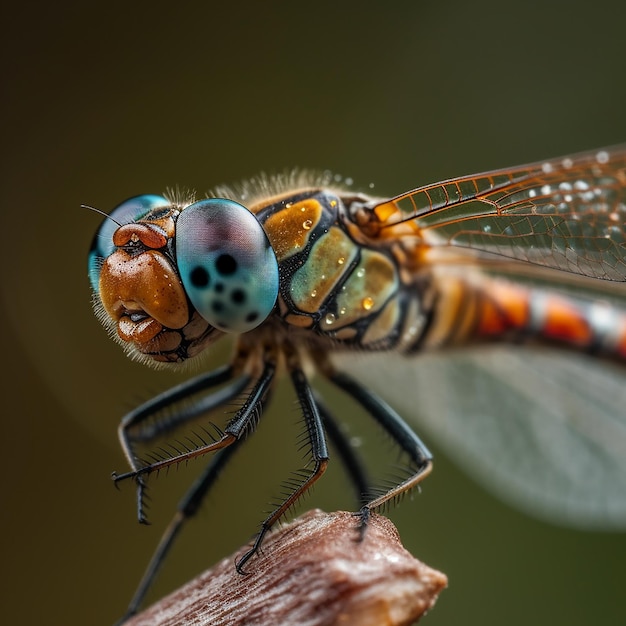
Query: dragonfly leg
136, 419
147, 429
186, 509
401, 433
319, 452
346, 452
235, 428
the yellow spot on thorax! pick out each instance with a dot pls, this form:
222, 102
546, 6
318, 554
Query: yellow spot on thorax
289, 229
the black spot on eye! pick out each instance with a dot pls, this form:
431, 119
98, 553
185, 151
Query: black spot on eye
226, 264
199, 277
218, 307
252, 317
238, 296
219, 287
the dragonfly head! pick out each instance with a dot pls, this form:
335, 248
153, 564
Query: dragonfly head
169, 280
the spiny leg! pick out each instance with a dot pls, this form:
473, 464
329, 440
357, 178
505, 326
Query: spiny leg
346, 452
235, 428
201, 405
319, 453
138, 416
187, 508
397, 428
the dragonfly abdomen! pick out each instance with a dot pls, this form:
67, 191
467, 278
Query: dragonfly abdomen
495, 309
595, 327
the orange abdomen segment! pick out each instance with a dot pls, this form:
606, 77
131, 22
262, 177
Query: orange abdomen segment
503, 308
507, 309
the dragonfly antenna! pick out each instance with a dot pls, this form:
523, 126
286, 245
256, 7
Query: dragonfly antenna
91, 208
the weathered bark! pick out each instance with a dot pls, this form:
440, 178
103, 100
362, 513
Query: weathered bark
312, 572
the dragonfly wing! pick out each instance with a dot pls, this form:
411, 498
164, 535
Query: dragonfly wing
545, 431
593, 246
567, 213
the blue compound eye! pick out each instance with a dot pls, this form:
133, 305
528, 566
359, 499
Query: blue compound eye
129, 211
226, 264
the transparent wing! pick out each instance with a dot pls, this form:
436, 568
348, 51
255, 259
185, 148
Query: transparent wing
543, 430
567, 213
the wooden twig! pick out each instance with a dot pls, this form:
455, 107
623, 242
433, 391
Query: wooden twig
312, 572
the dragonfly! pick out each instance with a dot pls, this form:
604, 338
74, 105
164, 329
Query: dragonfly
491, 308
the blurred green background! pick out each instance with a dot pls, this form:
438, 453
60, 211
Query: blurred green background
102, 101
